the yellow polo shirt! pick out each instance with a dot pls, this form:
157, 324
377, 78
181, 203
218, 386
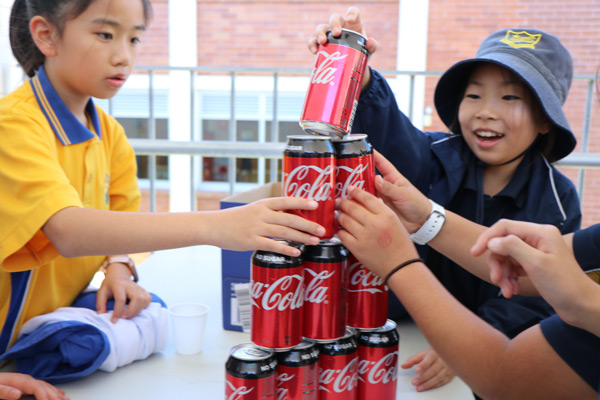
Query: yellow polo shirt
50, 161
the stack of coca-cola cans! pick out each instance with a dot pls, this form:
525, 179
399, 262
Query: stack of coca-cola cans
319, 327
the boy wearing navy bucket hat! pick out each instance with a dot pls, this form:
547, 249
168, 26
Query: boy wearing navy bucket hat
504, 111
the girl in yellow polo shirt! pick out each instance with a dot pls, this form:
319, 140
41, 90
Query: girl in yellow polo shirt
68, 175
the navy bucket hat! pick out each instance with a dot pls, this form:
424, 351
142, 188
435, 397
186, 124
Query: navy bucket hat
538, 58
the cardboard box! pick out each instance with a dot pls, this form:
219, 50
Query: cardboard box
236, 265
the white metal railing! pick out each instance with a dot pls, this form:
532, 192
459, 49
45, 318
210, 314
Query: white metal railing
273, 149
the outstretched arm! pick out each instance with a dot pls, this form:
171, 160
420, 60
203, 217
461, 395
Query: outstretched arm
81, 232
457, 235
525, 367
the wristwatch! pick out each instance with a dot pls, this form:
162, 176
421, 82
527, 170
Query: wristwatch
432, 226
123, 260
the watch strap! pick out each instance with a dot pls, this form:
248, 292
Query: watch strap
123, 260
432, 226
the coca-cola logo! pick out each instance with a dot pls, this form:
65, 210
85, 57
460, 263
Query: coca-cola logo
382, 371
325, 72
344, 380
316, 290
363, 280
282, 392
237, 393
353, 176
278, 294
297, 183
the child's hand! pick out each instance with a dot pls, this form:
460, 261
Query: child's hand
538, 251
433, 371
411, 206
255, 225
373, 233
13, 386
118, 285
351, 21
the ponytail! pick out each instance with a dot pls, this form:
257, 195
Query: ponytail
24, 49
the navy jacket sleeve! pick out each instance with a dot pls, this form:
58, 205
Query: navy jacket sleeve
391, 132
586, 246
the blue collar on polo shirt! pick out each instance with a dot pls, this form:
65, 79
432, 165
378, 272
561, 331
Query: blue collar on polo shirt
66, 127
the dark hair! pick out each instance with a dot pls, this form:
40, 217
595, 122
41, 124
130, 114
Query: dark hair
56, 12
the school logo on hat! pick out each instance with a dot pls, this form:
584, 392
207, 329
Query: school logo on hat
521, 39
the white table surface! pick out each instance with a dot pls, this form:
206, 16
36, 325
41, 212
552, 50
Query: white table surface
194, 274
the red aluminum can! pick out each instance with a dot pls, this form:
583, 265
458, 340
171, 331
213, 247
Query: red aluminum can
367, 297
325, 274
277, 295
309, 172
297, 373
354, 164
338, 369
335, 85
250, 373
378, 362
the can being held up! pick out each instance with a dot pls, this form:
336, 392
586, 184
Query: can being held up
335, 85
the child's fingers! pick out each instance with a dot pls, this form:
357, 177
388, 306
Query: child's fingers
290, 203
413, 360
290, 224
278, 247
321, 34
349, 223
101, 299
386, 168
370, 202
429, 358
336, 23
434, 382
435, 373
120, 299
354, 213
9, 393
347, 239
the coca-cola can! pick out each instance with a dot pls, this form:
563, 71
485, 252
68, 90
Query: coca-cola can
250, 373
335, 85
354, 165
325, 280
297, 373
338, 369
367, 297
378, 362
277, 296
309, 172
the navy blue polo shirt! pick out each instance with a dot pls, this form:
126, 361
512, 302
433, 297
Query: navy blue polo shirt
579, 348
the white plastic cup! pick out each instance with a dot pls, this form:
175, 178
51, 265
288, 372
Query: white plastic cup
188, 321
